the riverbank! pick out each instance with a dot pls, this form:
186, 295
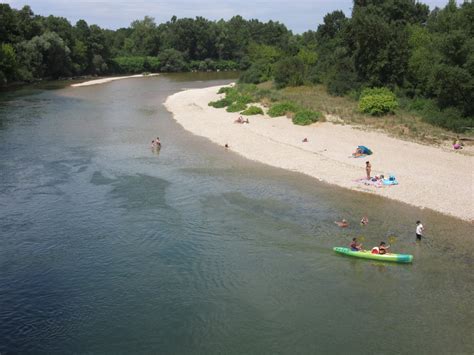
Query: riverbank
429, 177
107, 80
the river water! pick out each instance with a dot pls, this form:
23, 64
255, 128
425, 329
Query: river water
108, 247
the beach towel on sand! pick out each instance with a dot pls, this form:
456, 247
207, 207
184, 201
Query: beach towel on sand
377, 183
392, 180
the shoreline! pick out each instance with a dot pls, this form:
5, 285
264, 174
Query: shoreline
108, 80
429, 177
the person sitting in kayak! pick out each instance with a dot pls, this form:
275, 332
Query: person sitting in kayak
383, 248
355, 246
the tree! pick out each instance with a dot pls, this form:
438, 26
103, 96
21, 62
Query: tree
44, 56
7, 63
144, 38
171, 60
289, 72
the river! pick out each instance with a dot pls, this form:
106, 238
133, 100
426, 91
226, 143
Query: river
108, 247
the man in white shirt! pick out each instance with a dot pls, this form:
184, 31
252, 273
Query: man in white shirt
419, 230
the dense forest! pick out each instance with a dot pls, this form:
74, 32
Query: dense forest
399, 46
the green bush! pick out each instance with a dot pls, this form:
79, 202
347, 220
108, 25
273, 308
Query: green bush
282, 108
375, 91
377, 101
245, 99
289, 72
252, 110
306, 117
236, 107
224, 90
220, 103
232, 94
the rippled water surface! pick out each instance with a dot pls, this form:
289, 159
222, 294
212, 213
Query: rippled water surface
107, 247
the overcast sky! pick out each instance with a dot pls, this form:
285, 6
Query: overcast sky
298, 15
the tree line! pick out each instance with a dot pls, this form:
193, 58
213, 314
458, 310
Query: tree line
426, 58
35, 47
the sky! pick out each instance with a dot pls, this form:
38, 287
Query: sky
297, 15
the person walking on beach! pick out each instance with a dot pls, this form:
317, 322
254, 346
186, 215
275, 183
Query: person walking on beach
368, 168
419, 230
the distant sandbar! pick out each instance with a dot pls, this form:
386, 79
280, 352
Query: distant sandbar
107, 80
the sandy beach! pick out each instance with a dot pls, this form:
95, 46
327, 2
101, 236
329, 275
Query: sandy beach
429, 177
108, 80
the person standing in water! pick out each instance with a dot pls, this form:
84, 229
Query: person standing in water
419, 230
368, 168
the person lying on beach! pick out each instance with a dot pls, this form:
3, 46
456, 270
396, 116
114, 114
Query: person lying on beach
364, 221
239, 120
305, 140
342, 224
358, 152
355, 246
377, 177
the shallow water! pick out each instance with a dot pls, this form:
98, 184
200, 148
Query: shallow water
108, 247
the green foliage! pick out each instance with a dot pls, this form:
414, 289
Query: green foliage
237, 97
236, 107
135, 65
252, 110
282, 108
212, 65
377, 101
220, 103
289, 72
306, 117
257, 73
244, 99
224, 90
172, 61
8, 63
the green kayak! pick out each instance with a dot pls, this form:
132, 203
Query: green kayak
366, 254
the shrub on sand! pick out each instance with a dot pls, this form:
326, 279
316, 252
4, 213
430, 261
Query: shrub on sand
252, 110
236, 107
306, 117
377, 101
282, 108
220, 103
